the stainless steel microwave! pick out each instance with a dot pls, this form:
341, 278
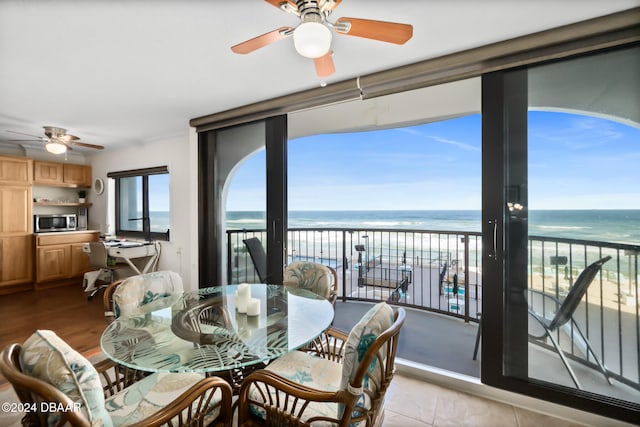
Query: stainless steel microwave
58, 222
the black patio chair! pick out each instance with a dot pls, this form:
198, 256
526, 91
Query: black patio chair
258, 256
564, 314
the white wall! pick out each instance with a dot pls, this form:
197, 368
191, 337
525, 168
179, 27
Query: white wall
179, 155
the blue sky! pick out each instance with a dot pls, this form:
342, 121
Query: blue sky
575, 162
159, 192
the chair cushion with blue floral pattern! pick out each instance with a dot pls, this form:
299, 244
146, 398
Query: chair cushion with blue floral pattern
309, 275
310, 371
377, 320
146, 292
151, 394
48, 358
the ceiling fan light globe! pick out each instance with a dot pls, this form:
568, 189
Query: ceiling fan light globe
55, 147
312, 39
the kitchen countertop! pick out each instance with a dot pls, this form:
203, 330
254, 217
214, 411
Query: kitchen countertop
52, 233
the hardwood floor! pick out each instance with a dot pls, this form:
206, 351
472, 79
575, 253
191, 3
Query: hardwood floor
64, 310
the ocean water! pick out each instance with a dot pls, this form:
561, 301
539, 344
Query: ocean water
618, 226
159, 221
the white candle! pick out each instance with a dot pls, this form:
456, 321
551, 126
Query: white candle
253, 307
243, 295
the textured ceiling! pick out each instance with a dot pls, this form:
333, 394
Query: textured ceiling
126, 72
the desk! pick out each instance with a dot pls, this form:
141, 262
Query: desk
128, 251
202, 332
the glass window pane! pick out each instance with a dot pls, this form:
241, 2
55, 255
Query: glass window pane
584, 206
131, 204
159, 203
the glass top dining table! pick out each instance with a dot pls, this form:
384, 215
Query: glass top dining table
202, 331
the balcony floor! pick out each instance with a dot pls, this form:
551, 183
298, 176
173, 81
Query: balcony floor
447, 343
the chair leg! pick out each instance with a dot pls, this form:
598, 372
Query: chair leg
590, 349
563, 358
548, 333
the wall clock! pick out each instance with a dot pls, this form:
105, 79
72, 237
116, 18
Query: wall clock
98, 186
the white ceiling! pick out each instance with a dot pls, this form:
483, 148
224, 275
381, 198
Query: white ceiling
125, 72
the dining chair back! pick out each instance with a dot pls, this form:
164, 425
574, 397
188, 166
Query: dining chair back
61, 387
338, 380
317, 278
146, 292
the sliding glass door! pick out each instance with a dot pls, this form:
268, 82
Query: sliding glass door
561, 231
220, 152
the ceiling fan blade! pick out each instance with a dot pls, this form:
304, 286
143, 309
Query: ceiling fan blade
21, 133
25, 140
290, 6
262, 40
324, 65
68, 137
383, 31
84, 144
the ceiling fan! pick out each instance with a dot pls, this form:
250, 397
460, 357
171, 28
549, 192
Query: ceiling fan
312, 37
56, 140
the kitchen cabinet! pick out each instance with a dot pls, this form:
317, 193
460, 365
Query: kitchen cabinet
54, 262
15, 209
15, 170
47, 173
61, 174
16, 223
16, 264
78, 175
59, 256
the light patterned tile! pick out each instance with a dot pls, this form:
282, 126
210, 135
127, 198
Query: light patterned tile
393, 419
412, 398
534, 419
467, 410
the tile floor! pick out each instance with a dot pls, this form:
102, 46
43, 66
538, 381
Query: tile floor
416, 403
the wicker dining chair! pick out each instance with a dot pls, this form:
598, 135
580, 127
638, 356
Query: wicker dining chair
141, 293
343, 383
318, 278
61, 387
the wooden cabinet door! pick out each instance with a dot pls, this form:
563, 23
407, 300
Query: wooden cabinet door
15, 209
79, 260
15, 170
79, 175
47, 173
16, 259
53, 262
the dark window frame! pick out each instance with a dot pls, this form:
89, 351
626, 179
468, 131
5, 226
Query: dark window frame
502, 119
146, 232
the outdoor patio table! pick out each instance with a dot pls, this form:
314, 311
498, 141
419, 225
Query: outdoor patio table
202, 331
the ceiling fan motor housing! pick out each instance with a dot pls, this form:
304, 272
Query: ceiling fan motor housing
53, 132
310, 11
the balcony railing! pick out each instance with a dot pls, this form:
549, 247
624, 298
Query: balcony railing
441, 271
